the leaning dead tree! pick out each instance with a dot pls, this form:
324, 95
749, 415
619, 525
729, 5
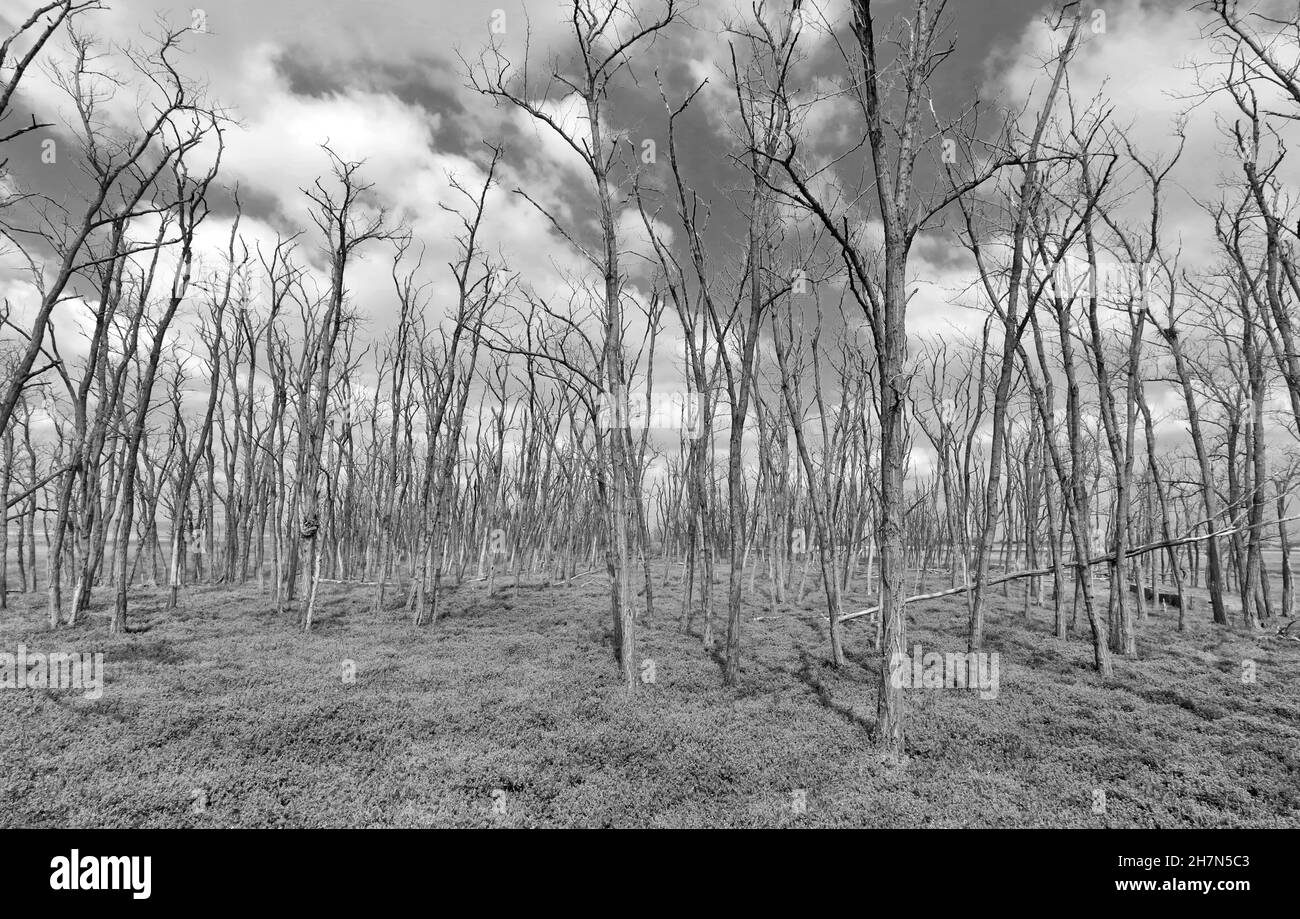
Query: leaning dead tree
605, 36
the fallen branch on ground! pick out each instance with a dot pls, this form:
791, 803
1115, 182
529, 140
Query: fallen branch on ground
1101, 560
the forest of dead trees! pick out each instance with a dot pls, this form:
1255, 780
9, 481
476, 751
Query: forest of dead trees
1112, 438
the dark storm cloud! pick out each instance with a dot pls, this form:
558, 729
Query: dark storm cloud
425, 82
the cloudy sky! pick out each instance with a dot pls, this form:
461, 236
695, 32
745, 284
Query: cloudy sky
383, 81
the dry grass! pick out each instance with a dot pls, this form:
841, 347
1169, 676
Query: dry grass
517, 694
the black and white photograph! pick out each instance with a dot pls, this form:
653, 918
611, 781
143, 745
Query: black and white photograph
650, 415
